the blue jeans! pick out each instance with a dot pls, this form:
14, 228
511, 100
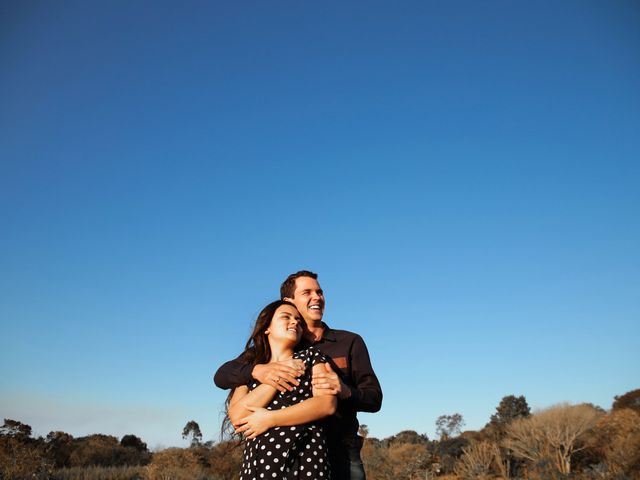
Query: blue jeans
356, 467
344, 457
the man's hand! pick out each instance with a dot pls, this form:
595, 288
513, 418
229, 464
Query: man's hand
329, 383
255, 423
280, 375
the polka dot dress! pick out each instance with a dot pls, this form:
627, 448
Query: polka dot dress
297, 452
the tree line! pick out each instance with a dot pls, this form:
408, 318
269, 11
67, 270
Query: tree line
562, 442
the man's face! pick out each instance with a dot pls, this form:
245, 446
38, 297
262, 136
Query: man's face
308, 298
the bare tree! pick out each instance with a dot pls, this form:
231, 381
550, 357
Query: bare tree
551, 434
477, 460
448, 426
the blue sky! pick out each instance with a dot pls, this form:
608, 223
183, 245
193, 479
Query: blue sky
462, 175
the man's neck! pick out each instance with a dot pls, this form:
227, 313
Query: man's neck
316, 330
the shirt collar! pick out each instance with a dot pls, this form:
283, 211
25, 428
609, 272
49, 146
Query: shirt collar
328, 334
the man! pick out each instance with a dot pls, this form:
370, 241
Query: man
349, 375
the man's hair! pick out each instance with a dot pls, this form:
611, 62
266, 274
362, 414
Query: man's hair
288, 287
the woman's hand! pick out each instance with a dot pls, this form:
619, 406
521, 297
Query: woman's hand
256, 423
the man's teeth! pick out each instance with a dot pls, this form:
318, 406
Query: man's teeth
314, 307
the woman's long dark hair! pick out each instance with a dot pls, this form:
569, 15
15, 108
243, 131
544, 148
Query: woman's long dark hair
256, 351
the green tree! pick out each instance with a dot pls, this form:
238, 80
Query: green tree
15, 429
409, 437
132, 441
509, 409
94, 450
628, 400
21, 456
192, 429
59, 445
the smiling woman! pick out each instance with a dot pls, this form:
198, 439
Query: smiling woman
261, 413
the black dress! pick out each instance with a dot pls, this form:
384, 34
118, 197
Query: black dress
297, 452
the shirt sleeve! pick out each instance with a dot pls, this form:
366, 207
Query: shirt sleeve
233, 374
366, 393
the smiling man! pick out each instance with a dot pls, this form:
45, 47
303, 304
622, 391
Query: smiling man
349, 376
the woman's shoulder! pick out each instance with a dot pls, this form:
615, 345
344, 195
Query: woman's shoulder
311, 354
306, 352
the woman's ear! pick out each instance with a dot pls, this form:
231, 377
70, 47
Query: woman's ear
266, 332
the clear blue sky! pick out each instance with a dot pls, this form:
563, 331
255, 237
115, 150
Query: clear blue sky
462, 175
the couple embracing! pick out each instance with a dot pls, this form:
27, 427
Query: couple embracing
296, 390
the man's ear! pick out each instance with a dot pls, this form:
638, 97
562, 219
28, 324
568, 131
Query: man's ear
287, 299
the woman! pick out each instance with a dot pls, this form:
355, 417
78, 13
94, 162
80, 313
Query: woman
283, 440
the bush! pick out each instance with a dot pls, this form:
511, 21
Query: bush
99, 473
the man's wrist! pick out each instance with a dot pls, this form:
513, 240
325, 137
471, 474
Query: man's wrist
345, 392
255, 372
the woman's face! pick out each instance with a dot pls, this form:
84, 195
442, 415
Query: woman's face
286, 324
